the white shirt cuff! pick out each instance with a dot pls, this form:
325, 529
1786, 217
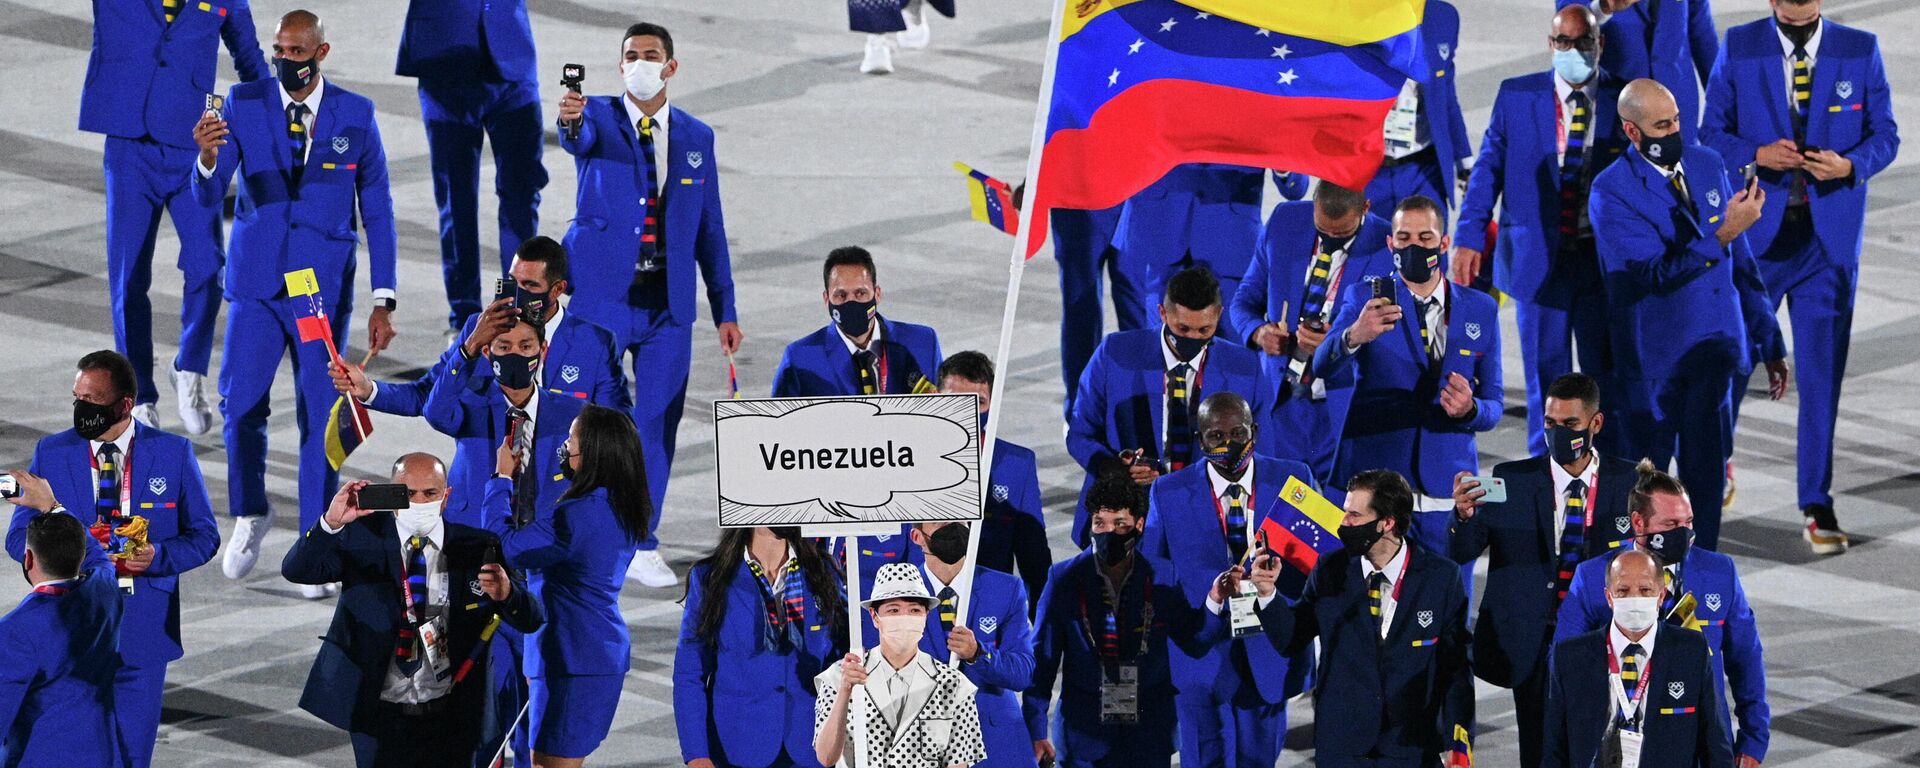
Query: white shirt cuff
1263, 602
1213, 606
205, 172
385, 293
372, 394
329, 528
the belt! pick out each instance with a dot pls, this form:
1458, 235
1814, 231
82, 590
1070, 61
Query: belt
1421, 156
422, 709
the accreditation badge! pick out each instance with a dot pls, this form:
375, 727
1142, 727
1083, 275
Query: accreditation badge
1243, 610
1630, 741
433, 643
1120, 696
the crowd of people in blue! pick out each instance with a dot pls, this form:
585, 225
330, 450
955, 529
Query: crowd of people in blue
1342, 342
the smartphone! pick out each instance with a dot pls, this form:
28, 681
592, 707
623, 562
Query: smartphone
1382, 287
9, 487
1747, 172
503, 288
385, 497
216, 104
1495, 487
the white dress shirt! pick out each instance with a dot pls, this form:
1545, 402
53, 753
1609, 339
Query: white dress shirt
1563, 90
1396, 570
1194, 366
1561, 478
124, 443
1620, 642
313, 112
660, 133
423, 685
1220, 484
1786, 58
873, 337
1434, 316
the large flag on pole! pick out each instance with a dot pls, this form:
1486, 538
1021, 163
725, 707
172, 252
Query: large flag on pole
348, 422
1140, 86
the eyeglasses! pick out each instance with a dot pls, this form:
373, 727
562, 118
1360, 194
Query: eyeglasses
1217, 437
1584, 44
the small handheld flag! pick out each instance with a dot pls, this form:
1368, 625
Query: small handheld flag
991, 200
348, 422
1304, 527
733, 379
1461, 755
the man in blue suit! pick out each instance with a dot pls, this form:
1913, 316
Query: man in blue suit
859, 351
405, 671
1550, 134
1687, 308
486, 400
1703, 593
148, 78
1671, 41
994, 645
1427, 150
1424, 356
1135, 413
1806, 101
1102, 632
475, 64
57, 655
1563, 507
1202, 524
114, 467
1285, 305
1639, 684
311, 165
1083, 246
1013, 534
1198, 214
649, 208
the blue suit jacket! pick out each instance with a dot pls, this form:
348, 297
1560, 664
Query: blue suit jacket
1184, 542
343, 688
1681, 722
604, 239
1396, 421
57, 664
1851, 113
1511, 633
1211, 211
146, 77
168, 491
1672, 41
279, 227
1401, 696
468, 406
819, 365
1063, 649
1519, 168
997, 614
1013, 536
1680, 303
576, 347
1440, 31
577, 555
455, 38
737, 679
1733, 639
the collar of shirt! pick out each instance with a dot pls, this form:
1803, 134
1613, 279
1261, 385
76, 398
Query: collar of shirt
779, 572
934, 580
1561, 478
1169, 361
1220, 483
312, 100
1668, 173
435, 533
1620, 641
553, 321
122, 443
873, 339
533, 402
1393, 569
660, 118
1813, 43
50, 583
1564, 90
1439, 292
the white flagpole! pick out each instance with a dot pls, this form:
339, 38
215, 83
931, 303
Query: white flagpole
850, 547
1016, 267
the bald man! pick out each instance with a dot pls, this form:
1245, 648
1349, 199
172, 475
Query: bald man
310, 167
1653, 678
393, 669
1687, 311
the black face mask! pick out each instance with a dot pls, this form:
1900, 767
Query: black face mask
1566, 445
296, 75
1416, 262
1669, 545
1664, 151
1330, 244
948, 544
1798, 34
561, 455
1112, 546
515, 371
1184, 348
1357, 539
1231, 459
854, 318
91, 420
534, 307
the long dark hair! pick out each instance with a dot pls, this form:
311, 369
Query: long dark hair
610, 458
724, 562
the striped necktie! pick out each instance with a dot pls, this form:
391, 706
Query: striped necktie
108, 505
651, 256
786, 609
1630, 663
948, 610
407, 651
1670, 577
1678, 183
863, 367
1430, 340
526, 482
1319, 280
1236, 522
1572, 538
1573, 168
297, 138
1802, 106
171, 8
1179, 416
1376, 585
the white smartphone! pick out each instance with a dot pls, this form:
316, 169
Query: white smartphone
1495, 487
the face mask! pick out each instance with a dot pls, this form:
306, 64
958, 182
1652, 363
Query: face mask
1635, 614
1566, 445
91, 420
900, 633
643, 78
1358, 539
1669, 545
1112, 546
515, 371
1231, 458
296, 75
949, 544
983, 425
1186, 349
853, 317
418, 518
566, 462
1416, 262
1573, 65
1331, 244
1799, 34
534, 307
1663, 151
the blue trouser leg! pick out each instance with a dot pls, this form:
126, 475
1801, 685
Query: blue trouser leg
1082, 321
255, 343
451, 112
1546, 334
518, 138
875, 16
662, 353
136, 710
1691, 417
509, 695
1218, 732
1821, 310
1225, 329
1126, 280
202, 256
133, 219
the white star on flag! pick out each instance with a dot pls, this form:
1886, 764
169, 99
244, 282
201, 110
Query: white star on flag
1203, 15
1263, 33
1287, 77
1113, 78
1282, 51
1167, 26
1135, 48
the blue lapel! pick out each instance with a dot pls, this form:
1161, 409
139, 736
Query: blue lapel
678, 223
1409, 602
1823, 95
142, 449
1773, 80
79, 474
276, 125
320, 143
1457, 338
1545, 118
1410, 321
629, 133
1153, 384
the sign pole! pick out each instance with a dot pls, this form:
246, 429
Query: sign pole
850, 546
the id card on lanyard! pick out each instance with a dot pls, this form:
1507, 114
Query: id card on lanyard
432, 641
1120, 689
1629, 709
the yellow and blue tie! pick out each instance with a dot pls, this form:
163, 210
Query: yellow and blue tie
1572, 539
1179, 416
1573, 180
948, 610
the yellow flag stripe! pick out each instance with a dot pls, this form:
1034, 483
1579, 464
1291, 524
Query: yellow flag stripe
1312, 504
302, 283
1341, 22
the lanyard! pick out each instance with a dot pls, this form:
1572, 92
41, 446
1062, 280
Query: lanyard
1593, 493
1629, 710
1333, 285
1220, 509
54, 590
126, 482
1112, 602
1405, 563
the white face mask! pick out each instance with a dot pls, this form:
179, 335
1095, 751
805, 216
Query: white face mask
900, 633
418, 518
1635, 614
643, 78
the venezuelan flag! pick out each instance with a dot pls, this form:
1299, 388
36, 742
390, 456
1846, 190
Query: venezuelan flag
1461, 755
348, 425
1303, 527
1140, 86
991, 199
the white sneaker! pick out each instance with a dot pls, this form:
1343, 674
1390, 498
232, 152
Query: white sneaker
196, 417
879, 60
651, 569
243, 547
146, 414
918, 34
319, 591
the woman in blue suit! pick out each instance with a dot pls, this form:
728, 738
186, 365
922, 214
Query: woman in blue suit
765, 613
576, 553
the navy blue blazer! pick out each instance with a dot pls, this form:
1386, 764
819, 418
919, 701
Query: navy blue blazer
169, 492
467, 405
819, 365
1185, 542
997, 614
1519, 169
1013, 535
57, 667
343, 689
281, 227
458, 38
1851, 113
1517, 606
580, 356
1402, 696
1680, 303
1733, 639
146, 77
1681, 726
1672, 41
1396, 421
1064, 649
1440, 34
604, 239
736, 679
1276, 277
577, 556
1208, 210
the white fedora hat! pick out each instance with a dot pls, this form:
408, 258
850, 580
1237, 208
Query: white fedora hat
896, 581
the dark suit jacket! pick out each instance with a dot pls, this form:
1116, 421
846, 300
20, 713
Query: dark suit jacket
1681, 723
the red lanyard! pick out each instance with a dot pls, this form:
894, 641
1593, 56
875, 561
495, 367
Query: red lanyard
54, 590
126, 481
1113, 605
1640, 687
1221, 509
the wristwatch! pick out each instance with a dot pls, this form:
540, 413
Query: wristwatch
386, 303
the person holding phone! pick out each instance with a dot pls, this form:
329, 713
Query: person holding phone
404, 667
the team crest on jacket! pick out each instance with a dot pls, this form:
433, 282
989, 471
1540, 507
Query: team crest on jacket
1473, 331
1713, 198
1426, 619
157, 484
1621, 524
1000, 493
474, 587
1843, 89
988, 624
695, 159
340, 145
1676, 689
1446, 51
883, 537
1713, 601
569, 373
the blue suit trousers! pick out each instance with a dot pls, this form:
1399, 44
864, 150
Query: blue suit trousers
259, 333
1689, 416
1238, 732
461, 112
1082, 246
145, 177
136, 710
662, 353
